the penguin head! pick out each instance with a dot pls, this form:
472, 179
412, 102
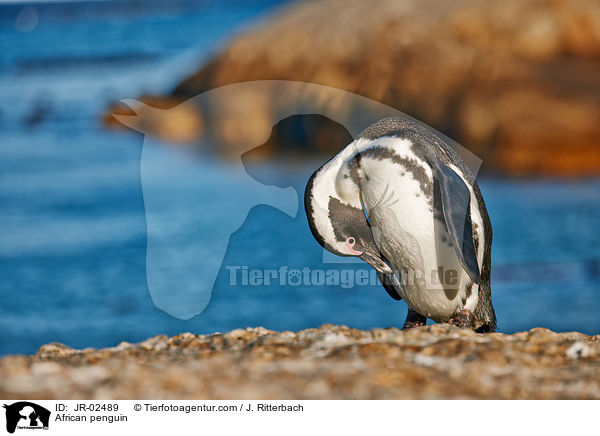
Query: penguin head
353, 230
339, 223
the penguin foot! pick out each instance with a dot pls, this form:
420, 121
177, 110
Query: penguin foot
463, 319
414, 319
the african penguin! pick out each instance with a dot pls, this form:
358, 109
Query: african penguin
402, 200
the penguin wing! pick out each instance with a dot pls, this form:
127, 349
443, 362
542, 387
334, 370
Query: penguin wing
456, 205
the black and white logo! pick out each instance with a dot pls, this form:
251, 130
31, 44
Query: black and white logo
26, 415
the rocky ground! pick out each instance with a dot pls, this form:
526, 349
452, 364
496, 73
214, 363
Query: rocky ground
514, 81
330, 362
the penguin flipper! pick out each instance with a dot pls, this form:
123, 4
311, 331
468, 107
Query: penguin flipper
456, 205
388, 286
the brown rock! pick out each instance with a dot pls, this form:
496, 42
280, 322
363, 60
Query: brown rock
335, 362
514, 81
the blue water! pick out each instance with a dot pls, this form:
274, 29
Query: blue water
72, 222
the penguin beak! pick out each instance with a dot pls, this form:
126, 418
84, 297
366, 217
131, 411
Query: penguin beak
376, 260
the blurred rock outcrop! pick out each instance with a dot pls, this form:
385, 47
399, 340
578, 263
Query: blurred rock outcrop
516, 82
330, 362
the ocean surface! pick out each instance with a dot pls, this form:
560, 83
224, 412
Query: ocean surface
72, 218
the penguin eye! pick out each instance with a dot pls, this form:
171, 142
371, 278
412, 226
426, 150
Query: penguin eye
350, 240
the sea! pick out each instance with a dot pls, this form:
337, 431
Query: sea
73, 225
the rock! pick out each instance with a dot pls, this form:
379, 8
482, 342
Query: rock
577, 350
330, 362
514, 81
55, 349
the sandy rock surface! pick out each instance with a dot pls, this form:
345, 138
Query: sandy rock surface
330, 362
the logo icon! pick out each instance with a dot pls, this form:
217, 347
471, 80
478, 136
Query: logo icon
26, 415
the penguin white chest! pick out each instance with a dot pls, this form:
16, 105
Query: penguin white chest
399, 199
